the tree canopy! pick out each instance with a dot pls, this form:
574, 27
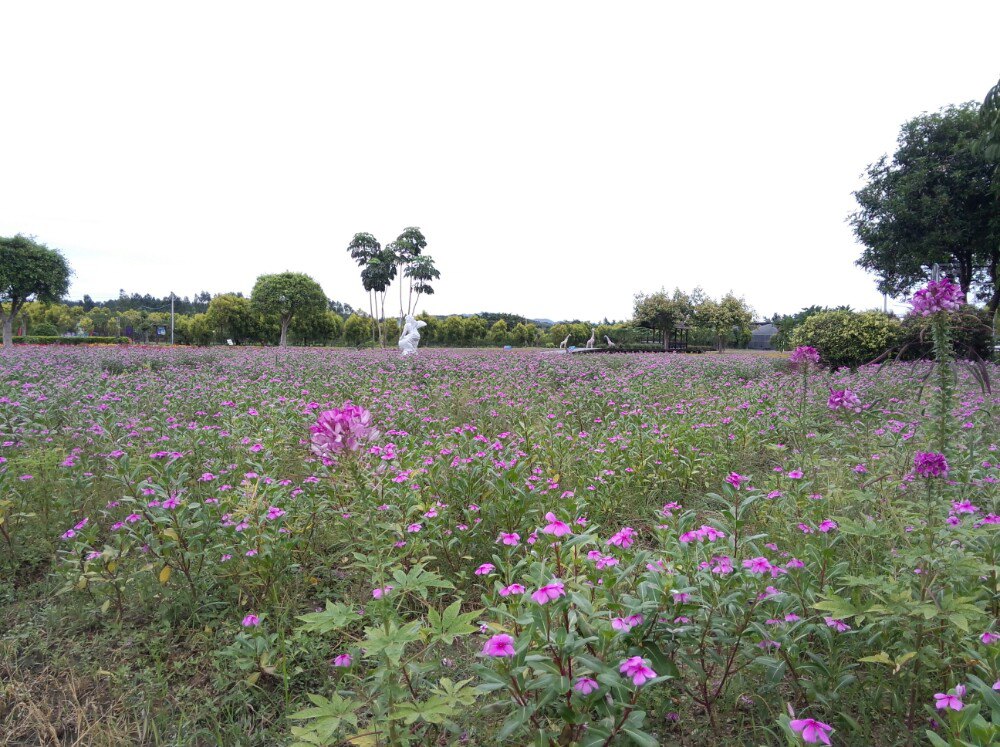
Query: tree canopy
286, 296
932, 203
28, 270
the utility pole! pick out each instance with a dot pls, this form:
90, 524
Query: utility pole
171, 317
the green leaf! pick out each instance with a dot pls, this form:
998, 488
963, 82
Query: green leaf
334, 617
327, 718
452, 624
392, 642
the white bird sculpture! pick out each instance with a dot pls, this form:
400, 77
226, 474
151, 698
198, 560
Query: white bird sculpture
564, 343
590, 342
610, 343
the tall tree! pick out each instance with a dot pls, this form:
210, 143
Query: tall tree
363, 249
287, 295
989, 113
406, 248
932, 203
28, 270
421, 271
663, 311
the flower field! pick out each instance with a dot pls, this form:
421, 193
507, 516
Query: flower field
319, 547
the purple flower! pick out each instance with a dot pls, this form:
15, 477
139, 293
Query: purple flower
555, 527
844, 399
501, 645
251, 621
512, 589
485, 569
839, 625
549, 592
585, 685
804, 354
930, 464
946, 700
637, 669
937, 295
342, 429
344, 661
511, 539
989, 637
812, 731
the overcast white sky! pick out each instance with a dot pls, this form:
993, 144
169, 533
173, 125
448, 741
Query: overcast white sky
559, 156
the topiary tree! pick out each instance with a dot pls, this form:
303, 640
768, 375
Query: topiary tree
849, 338
28, 270
285, 296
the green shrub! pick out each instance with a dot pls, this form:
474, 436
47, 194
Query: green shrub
55, 340
44, 329
849, 338
971, 335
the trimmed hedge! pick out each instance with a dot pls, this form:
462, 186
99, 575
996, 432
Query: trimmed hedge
849, 338
45, 340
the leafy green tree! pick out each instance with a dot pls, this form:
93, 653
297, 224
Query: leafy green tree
989, 113
663, 311
524, 334
358, 328
28, 270
499, 332
452, 329
474, 329
725, 318
233, 317
285, 296
317, 329
405, 249
932, 203
420, 271
376, 278
363, 249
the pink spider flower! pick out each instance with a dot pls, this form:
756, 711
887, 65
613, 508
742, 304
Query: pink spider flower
936, 296
341, 429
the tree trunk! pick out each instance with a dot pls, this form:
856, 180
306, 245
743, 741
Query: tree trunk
8, 333
283, 342
995, 296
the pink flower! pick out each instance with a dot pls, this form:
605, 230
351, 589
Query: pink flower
736, 480
585, 685
251, 621
937, 295
623, 539
344, 660
342, 429
501, 645
549, 592
555, 527
379, 593
637, 669
757, 565
943, 701
512, 589
989, 638
510, 538
839, 625
930, 464
795, 474
843, 399
812, 731
827, 525
804, 354
414, 528
485, 569
621, 624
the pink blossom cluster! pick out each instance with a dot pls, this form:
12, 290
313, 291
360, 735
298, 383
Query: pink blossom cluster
341, 429
936, 296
